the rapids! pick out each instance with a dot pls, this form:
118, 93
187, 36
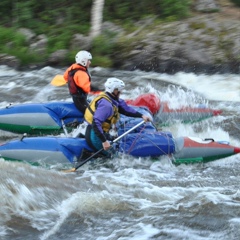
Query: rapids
127, 198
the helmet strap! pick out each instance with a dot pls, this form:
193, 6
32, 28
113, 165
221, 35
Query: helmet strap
116, 95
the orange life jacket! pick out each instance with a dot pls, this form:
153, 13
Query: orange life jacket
72, 86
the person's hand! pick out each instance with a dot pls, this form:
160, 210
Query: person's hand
146, 118
106, 145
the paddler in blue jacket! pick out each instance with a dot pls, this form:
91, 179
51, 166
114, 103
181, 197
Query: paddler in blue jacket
103, 113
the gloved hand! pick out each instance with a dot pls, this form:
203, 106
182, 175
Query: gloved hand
146, 118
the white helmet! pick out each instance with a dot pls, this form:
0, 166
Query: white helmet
114, 83
82, 57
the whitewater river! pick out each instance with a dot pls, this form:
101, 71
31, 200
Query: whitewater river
127, 198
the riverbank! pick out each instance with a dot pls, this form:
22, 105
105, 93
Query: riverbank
206, 42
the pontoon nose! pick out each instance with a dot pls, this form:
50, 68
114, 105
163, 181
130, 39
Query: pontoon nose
217, 112
236, 150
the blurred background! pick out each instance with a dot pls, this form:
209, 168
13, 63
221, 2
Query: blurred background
160, 35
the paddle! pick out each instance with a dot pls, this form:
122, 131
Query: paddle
115, 140
58, 81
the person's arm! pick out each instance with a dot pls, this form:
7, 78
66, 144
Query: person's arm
103, 112
82, 80
131, 112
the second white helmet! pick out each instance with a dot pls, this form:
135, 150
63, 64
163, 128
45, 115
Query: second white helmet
114, 83
82, 57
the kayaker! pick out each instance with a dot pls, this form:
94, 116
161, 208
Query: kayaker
79, 80
103, 113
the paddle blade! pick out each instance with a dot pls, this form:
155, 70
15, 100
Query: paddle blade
69, 170
58, 81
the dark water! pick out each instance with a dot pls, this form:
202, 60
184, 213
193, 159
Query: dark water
124, 198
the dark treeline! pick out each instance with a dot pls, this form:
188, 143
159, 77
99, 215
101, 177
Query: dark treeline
60, 19
42, 15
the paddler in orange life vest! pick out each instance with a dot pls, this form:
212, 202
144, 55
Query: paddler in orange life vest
79, 80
